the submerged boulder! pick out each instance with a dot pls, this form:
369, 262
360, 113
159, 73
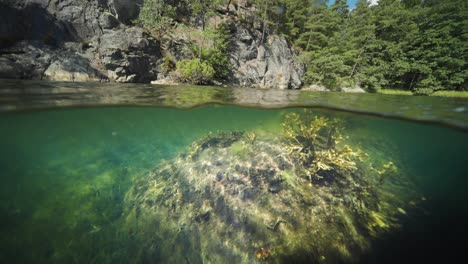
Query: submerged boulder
243, 197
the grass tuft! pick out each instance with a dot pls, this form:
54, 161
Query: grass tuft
462, 94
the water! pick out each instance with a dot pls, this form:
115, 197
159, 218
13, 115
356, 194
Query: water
85, 185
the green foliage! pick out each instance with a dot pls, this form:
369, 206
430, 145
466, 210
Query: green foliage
423, 91
168, 65
157, 16
194, 71
202, 10
395, 92
216, 54
418, 46
210, 48
462, 94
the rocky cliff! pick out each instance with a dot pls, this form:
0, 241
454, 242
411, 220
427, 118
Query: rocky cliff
85, 40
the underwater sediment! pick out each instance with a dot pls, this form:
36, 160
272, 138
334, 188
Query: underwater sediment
304, 195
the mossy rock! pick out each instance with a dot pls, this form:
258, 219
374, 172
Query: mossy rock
218, 204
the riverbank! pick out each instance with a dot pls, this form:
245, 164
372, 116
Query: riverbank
456, 94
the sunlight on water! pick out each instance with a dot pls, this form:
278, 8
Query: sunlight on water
85, 185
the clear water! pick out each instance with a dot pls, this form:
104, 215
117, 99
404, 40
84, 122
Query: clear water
66, 172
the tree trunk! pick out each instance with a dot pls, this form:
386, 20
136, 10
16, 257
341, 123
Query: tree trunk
264, 21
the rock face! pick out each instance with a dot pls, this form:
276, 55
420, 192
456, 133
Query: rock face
125, 10
71, 68
82, 40
129, 55
75, 40
268, 65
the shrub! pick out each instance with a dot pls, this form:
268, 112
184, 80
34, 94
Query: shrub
167, 65
194, 71
423, 91
218, 60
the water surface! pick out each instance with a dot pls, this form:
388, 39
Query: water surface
66, 172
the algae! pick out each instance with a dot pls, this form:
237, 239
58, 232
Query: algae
304, 194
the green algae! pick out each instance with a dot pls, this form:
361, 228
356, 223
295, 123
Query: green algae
236, 202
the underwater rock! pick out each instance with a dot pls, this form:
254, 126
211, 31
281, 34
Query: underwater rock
231, 199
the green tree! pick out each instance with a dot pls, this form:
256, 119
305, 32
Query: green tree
202, 10
156, 16
440, 52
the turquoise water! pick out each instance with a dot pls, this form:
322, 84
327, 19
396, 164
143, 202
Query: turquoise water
65, 175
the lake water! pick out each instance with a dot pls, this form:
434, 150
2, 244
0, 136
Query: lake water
141, 174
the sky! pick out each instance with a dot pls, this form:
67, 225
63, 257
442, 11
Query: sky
352, 3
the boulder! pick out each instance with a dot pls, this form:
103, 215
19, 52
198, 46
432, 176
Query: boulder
315, 88
353, 90
126, 10
108, 21
72, 68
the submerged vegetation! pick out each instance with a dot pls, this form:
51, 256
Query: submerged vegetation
246, 197
314, 144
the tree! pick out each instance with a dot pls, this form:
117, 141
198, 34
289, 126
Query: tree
204, 9
157, 16
440, 52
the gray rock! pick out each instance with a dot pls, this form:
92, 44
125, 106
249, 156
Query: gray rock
32, 22
25, 61
126, 10
315, 88
269, 65
93, 35
129, 55
108, 21
35, 61
353, 90
72, 68
101, 47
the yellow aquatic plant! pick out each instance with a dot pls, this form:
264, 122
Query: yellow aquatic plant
315, 142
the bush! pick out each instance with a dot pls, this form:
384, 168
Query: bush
167, 65
194, 71
427, 86
218, 60
423, 91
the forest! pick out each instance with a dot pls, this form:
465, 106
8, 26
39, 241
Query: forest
415, 45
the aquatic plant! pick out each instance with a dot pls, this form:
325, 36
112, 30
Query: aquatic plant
316, 143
